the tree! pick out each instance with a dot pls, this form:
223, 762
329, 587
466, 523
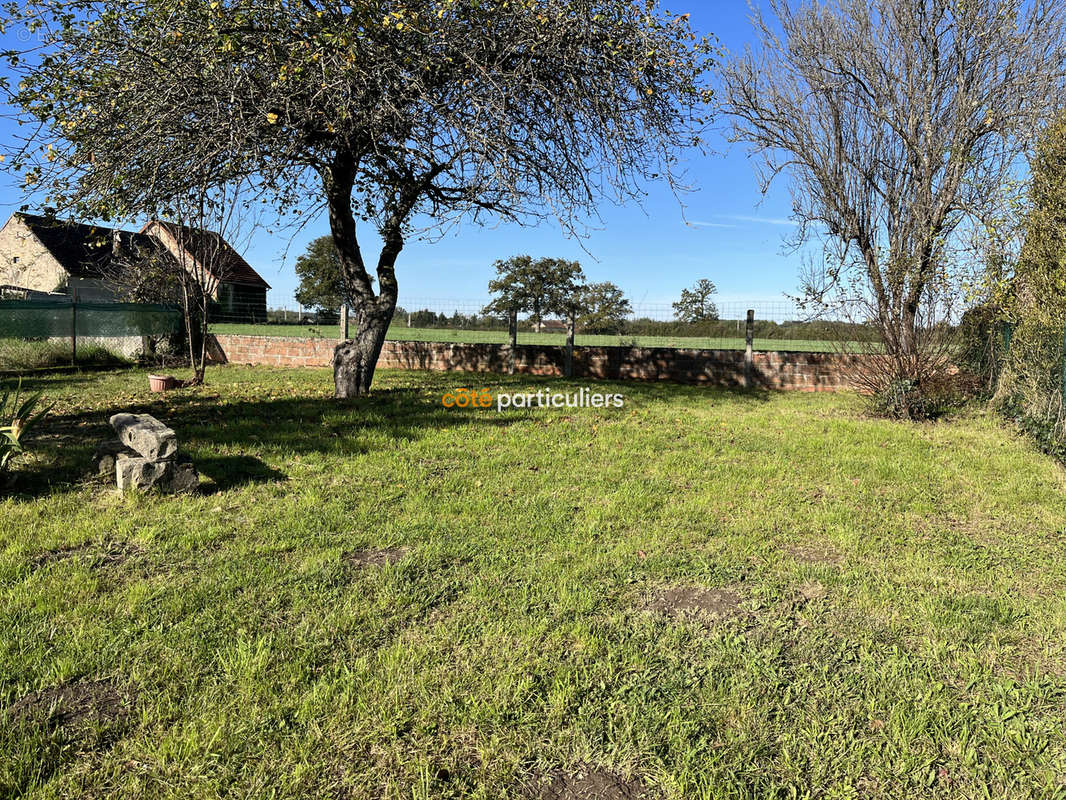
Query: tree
696, 304
1033, 300
322, 277
194, 260
605, 309
321, 281
899, 124
538, 287
404, 116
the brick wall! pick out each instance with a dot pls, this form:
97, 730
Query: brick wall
785, 370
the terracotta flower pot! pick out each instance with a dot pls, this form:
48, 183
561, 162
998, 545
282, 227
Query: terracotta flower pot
162, 383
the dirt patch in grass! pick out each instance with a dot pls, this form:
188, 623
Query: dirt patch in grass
374, 558
79, 704
585, 783
100, 556
698, 601
71, 722
814, 554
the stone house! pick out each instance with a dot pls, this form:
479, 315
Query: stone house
41, 254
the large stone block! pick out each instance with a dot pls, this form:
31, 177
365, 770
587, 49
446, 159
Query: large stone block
134, 472
106, 455
170, 477
152, 439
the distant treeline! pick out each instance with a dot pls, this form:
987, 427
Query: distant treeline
642, 326
816, 330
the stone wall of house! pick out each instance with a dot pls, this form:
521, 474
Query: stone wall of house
779, 370
25, 262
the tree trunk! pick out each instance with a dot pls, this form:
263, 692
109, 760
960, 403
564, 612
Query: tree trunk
354, 360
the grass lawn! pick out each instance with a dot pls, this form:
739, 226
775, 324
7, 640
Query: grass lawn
703, 594
34, 354
403, 333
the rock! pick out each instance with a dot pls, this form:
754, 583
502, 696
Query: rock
105, 456
180, 478
152, 440
134, 472
170, 477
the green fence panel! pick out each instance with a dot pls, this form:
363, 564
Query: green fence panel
35, 319
126, 319
41, 333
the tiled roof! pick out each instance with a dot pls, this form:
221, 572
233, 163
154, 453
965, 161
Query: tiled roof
225, 262
84, 251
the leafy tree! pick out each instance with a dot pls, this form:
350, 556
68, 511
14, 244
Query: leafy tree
696, 304
538, 287
404, 116
899, 124
321, 278
605, 309
1035, 299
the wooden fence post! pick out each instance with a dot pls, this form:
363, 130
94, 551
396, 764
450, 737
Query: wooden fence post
749, 350
512, 338
344, 322
571, 322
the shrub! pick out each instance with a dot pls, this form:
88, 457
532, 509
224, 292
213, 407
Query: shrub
932, 397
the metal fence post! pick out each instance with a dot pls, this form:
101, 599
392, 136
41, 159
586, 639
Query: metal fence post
512, 338
571, 323
749, 350
74, 329
1062, 384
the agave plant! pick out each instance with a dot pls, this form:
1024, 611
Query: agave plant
18, 416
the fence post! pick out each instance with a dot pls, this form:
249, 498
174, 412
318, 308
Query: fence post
749, 348
512, 338
344, 322
570, 324
1062, 384
74, 329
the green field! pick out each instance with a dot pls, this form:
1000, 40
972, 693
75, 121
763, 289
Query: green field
703, 594
403, 333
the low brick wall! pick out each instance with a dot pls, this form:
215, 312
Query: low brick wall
799, 371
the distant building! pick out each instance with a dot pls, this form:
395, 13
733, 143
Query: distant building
39, 254
551, 326
241, 293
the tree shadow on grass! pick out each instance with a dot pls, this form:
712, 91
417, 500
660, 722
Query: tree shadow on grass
230, 472
225, 435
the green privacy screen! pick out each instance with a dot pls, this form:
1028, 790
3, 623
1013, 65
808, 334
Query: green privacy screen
42, 333
43, 319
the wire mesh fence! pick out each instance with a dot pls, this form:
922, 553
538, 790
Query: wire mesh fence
43, 333
779, 325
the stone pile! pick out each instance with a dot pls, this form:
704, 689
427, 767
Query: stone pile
144, 456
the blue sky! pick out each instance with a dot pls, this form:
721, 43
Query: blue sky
735, 235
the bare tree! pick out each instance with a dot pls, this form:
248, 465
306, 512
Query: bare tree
900, 124
190, 258
407, 116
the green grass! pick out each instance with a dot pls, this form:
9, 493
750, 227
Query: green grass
403, 333
24, 355
903, 590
